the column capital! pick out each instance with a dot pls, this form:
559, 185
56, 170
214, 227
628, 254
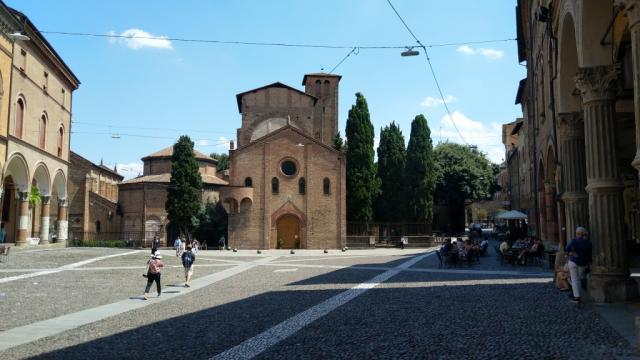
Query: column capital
631, 9
597, 82
46, 199
570, 124
22, 195
63, 203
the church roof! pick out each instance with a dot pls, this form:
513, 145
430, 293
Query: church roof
282, 129
166, 179
275, 84
168, 152
320, 74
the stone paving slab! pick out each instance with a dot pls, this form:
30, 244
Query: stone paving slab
407, 318
220, 316
43, 297
53, 258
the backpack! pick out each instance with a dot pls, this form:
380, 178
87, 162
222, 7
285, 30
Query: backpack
187, 259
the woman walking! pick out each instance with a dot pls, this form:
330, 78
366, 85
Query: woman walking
153, 274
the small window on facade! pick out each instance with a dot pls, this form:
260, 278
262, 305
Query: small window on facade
326, 186
22, 62
302, 186
60, 141
19, 118
98, 226
275, 185
318, 88
45, 84
327, 88
42, 131
248, 182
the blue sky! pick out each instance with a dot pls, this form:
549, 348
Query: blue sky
175, 88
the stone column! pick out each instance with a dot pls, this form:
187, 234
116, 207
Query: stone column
549, 204
542, 214
610, 270
631, 9
574, 174
63, 225
44, 220
23, 218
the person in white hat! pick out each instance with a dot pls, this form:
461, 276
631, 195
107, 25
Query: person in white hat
153, 273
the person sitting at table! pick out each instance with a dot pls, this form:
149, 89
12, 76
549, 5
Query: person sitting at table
484, 244
453, 253
527, 250
504, 246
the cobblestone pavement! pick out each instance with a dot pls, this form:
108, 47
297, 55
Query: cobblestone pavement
307, 306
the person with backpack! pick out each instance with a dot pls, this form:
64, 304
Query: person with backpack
153, 274
188, 258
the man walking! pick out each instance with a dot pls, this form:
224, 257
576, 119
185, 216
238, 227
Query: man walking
153, 274
188, 258
154, 245
579, 251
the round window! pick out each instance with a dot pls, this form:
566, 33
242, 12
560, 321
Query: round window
288, 167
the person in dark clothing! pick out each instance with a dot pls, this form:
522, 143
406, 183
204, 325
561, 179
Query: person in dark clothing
579, 251
154, 245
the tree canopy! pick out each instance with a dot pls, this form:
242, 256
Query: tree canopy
223, 161
391, 163
362, 182
185, 188
464, 173
420, 174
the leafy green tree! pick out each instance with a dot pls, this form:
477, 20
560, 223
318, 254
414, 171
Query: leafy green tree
338, 143
212, 224
464, 173
184, 192
223, 161
420, 173
391, 163
362, 183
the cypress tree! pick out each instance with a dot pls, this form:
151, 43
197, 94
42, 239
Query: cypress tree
391, 163
420, 174
185, 188
362, 183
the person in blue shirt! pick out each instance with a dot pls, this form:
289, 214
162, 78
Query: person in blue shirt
579, 251
3, 233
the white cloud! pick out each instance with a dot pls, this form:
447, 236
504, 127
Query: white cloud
130, 170
491, 54
211, 145
433, 102
466, 49
488, 137
138, 39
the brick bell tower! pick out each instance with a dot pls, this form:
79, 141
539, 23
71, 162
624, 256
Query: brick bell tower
325, 116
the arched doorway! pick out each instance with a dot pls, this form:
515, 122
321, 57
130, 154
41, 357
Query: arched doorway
288, 231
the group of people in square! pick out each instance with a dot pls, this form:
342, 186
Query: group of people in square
185, 252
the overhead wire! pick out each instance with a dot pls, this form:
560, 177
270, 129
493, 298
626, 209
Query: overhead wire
259, 43
433, 73
147, 128
354, 50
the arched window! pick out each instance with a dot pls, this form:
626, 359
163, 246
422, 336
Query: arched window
302, 186
326, 186
327, 88
275, 185
318, 88
19, 118
42, 135
98, 226
248, 182
60, 140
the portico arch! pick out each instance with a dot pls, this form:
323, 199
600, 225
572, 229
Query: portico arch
281, 221
15, 202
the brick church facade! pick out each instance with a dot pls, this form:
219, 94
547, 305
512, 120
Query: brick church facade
286, 180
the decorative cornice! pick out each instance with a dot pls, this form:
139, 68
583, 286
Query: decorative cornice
597, 82
631, 9
570, 124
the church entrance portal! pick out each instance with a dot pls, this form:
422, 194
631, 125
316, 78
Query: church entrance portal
288, 230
